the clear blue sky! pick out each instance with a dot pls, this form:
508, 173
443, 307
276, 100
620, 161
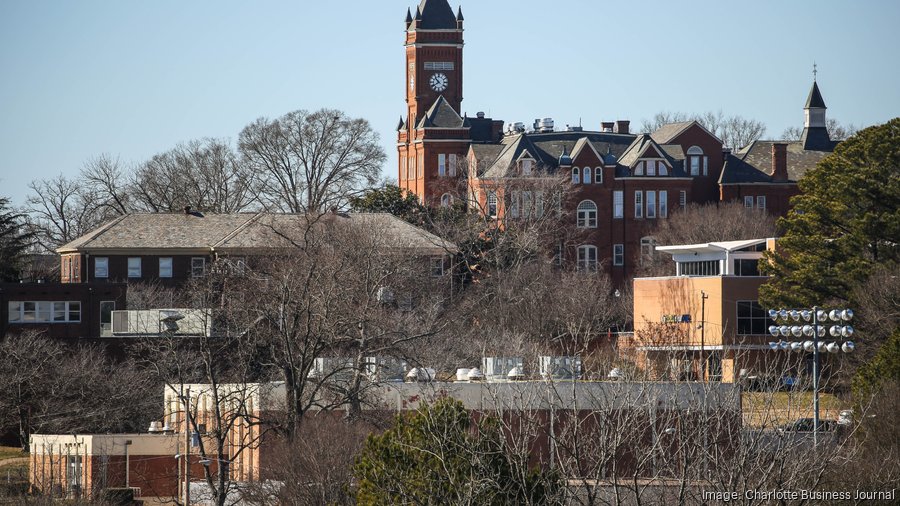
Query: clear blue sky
130, 78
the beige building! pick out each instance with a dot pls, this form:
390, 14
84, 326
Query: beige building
706, 320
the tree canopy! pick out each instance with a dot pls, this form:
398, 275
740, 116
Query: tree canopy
390, 199
14, 241
844, 223
439, 455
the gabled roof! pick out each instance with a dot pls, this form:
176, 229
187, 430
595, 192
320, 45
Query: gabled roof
436, 15
244, 232
639, 149
441, 115
667, 133
815, 98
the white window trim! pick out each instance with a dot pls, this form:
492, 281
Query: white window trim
104, 261
584, 260
586, 175
748, 202
590, 215
618, 204
761, 202
651, 204
663, 203
43, 307
618, 255
171, 268
491, 201
437, 267
576, 175
452, 162
202, 267
598, 175
638, 204
131, 269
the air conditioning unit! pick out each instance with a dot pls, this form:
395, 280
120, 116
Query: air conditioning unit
498, 368
385, 369
560, 368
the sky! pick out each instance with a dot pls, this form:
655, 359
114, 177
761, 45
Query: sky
132, 79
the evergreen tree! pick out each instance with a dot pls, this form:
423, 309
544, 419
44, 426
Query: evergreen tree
391, 199
14, 241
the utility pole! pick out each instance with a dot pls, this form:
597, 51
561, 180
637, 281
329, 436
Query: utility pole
703, 298
187, 447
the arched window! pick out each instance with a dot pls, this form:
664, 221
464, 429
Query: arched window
695, 159
586, 175
598, 175
587, 214
587, 258
575, 175
492, 204
446, 200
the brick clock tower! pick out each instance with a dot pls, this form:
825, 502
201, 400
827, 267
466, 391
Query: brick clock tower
432, 137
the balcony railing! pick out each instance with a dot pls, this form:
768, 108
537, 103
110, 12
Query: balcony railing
195, 322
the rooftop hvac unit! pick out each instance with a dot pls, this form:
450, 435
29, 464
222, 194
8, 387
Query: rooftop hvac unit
331, 369
420, 374
560, 368
498, 368
385, 368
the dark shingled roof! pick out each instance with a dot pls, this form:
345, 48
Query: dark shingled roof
815, 98
665, 133
436, 15
753, 164
441, 115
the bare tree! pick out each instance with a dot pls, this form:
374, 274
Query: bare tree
61, 210
108, 179
205, 175
310, 162
836, 131
735, 131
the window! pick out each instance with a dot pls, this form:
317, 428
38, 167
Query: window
618, 254
618, 204
638, 204
198, 267
586, 175
587, 214
437, 267
492, 204
663, 169
446, 200
663, 204
639, 169
705, 165
651, 204
514, 204
648, 250
527, 204
598, 175
451, 160
165, 267
748, 202
587, 258
439, 65
538, 204
651, 167
526, 167
575, 175
746, 267
442, 165
695, 155
44, 311
752, 319
682, 199
134, 267
106, 309
699, 268
101, 267
761, 202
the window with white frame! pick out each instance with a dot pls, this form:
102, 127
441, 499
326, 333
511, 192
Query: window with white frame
586, 176
761, 202
651, 204
748, 202
439, 65
451, 164
648, 250
576, 175
651, 167
446, 200
618, 204
598, 175
513, 204
526, 167
587, 214
538, 204
587, 258
618, 254
663, 169
101, 267
44, 311
527, 204
663, 204
442, 165
695, 159
198, 267
492, 204
165, 267
639, 169
705, 165
638, 204
134, 267
437, 267
682, 199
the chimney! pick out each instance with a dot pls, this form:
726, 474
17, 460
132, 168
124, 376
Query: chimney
622, 126
607, 126
779, 161
187, 209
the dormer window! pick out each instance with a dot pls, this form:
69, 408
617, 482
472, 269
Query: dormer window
586, 176
639, 169
526, 167
697, 161
663, 169
651, 167
576, 173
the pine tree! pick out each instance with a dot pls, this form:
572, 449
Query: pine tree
14, 242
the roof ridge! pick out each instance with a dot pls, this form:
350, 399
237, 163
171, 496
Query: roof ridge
238, 230
96, 233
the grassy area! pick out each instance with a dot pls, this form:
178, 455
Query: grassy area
10, 452
766, 409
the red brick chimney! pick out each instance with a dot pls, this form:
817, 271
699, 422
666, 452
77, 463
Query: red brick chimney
779, 161
622, 126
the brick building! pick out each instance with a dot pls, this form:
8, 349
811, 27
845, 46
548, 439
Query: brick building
60, 311
619, 183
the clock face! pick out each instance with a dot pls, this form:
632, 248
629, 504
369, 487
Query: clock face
438, 82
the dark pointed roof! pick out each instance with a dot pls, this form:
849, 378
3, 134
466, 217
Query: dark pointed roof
436, 15
409, 18
815, 98
402, 125
459, 16
441, 115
